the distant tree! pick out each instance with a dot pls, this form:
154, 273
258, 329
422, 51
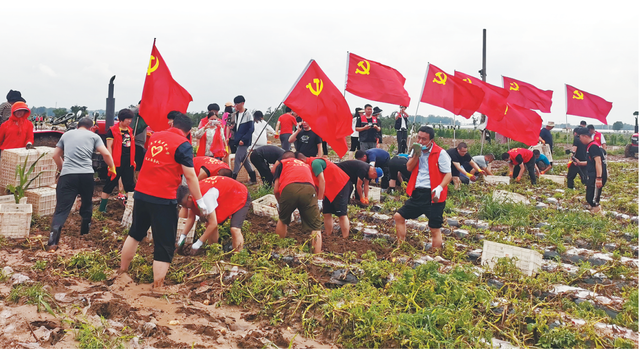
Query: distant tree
76, 108
618, 125
59, 112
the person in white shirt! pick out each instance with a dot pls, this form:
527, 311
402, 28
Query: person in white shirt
355, 142
260, 130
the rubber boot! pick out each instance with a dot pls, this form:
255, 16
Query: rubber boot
234, 176
85, 226
54, 237
252, 178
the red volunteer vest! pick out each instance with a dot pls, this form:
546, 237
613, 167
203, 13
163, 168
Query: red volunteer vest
434, 174
160, 175
211, 164
597, 138
363, 118
334, 178
525, 153
232, 195
202, 144
117, 146
294, 171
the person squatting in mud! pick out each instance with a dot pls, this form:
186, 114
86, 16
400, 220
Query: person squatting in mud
430, 168
169, 156
223, 197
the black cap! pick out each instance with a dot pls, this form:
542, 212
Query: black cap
376, 110
582, 131
15, 96
238, 99
213, 107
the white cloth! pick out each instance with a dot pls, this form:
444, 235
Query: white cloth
211, 199
353, 127
257, 128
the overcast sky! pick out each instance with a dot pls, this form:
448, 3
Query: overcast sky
64, 52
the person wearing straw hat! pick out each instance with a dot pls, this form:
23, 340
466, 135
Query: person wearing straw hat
545, 136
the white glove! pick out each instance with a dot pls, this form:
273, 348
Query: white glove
435, 193
203, 207
320, 204
278, 207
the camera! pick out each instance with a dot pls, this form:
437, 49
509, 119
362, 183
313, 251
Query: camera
568, 151
370, 124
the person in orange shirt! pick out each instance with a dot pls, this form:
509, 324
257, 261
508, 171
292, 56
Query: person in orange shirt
17, 132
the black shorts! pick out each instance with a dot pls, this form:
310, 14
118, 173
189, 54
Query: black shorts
339, 204
163, 220
420, 203
237, 218
126, 173
398, 165
140, 152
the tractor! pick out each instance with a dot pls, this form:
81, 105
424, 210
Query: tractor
632, 149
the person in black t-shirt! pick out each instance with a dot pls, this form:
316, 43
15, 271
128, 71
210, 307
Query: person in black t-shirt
398, 171
359, 174
460, 158
596, 166
119, 144
262, 157
580, 152
306, 141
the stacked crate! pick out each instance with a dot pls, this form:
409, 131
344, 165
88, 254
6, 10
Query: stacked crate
15, 220
42, 197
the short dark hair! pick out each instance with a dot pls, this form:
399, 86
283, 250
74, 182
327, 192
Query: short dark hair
368, 105
125, 113
182, 122
228, 109
575, 130
181, 193
173, 114
582, 122
491, 157
85, 122
287, 109
258, 115
213, 107
462, 145
225, 172
211, 114
536, 152
360, 153
300, 155
591, 127
505, 156
428, 130
287, 155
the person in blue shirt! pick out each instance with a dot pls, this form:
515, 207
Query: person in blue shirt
545, 136
542, 162
378, 158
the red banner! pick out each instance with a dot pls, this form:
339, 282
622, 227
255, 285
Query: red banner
317, 101
519, 123
375, 81
451, 93
526, 95
584, 104
161, 94
494, 102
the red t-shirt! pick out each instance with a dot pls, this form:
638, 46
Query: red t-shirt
287, 122
232, 195
211, 164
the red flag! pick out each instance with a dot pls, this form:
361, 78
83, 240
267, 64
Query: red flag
526, 95
584, 104
519, 123
161, 94
317, 101
494, 102
375, 81
451, 93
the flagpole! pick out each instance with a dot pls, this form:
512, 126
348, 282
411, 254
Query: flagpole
424, 81
566, 115
260, 134
454, 130
346, 77
297, 80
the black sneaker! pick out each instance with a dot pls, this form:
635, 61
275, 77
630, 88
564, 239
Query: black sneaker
54, 237
85, 226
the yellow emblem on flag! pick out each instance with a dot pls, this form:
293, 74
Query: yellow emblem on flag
514, 86
365, 67
441, 78
467, 80
578, 95
155, 66
318, 88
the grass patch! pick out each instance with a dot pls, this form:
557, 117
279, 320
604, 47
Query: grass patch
34, 294
94, 266
96, 337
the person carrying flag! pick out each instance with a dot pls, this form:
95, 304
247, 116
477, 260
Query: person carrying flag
169, 156
223, 197
334, 187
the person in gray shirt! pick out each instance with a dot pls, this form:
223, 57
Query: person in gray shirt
72, 156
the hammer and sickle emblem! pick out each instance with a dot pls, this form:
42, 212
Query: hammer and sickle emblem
578, 95
155, 66
365, 67
318, 88
155, 150
514, 86
467, 80
440, 78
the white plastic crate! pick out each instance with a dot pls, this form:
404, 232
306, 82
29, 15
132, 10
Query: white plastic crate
496, 180
15, 220
374, 194
12, 158
9, 199
544, 149
43, 200
529, 261
266, 206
